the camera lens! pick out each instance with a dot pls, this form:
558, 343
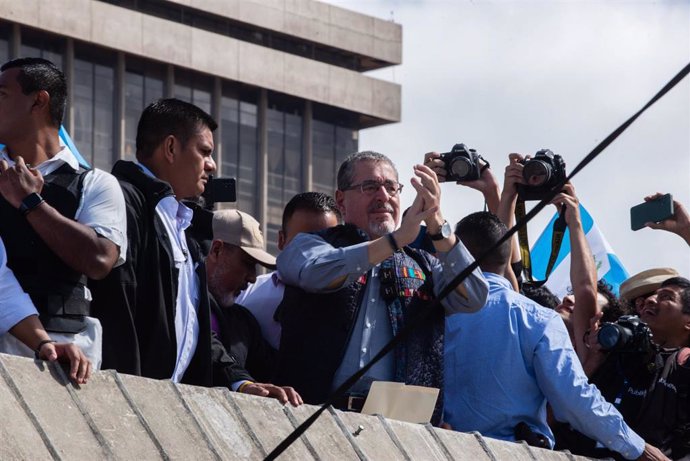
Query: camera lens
461, 167
613, 336
536, 173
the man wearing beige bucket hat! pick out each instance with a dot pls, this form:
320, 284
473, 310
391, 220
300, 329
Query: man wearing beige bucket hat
638, 287
236, 249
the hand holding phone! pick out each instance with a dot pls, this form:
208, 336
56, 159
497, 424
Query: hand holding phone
655, 209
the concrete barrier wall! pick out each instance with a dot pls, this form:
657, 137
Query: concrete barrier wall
119, 416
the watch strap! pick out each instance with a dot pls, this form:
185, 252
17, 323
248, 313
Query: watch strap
441, 234
30, 202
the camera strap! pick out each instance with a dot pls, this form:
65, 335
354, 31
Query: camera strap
559, 227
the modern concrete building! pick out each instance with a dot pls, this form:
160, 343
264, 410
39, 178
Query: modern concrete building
284, 79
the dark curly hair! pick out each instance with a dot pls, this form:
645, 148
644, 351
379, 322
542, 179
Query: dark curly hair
614, 308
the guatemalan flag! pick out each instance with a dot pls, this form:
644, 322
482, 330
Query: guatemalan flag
608, 265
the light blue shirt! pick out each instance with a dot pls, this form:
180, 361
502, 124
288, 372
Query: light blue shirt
312, 264
502, 365
15, 305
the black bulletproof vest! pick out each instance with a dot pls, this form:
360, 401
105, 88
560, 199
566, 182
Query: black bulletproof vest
57, 291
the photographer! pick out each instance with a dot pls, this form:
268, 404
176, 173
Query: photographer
583, 274
647, 381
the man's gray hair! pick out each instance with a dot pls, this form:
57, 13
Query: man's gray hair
346, 172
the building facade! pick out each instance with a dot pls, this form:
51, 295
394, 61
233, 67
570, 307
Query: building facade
284, 79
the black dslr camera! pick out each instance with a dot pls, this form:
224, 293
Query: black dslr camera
462, 164
542, 174
627, 334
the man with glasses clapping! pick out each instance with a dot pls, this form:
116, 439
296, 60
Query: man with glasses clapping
351, 288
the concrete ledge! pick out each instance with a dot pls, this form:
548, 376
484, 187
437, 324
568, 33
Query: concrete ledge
126, 417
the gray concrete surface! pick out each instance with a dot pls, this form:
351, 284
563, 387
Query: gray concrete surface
126, 417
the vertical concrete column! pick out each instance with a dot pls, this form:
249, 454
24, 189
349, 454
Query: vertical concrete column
119, 119
307, 151
262, 176
68, 69
15, 41
170, 81
215, 113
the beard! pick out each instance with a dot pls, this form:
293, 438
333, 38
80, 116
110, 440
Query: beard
223, 296
381, 228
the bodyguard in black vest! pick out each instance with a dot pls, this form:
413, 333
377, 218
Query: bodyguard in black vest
155, 307
61, 224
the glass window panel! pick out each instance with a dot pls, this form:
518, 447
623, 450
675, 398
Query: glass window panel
28, 51
134, 97
247, 177
323, 145
201, 97
83, 106
104, 91
183, 88
93, 98
229, 121
272, 229
292, 184
144, 84
36, 44
346, 143
4, 43
275, 126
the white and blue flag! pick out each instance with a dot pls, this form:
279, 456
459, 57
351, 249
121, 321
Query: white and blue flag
607, 263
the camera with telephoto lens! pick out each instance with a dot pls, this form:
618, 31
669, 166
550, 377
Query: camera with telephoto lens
542, 174
462, 164
627, 334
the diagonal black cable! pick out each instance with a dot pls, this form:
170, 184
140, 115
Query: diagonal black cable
424, 315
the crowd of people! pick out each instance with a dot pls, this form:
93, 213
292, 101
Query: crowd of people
126, 271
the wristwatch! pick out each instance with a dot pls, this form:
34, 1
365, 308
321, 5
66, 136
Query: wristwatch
443, 233
30, 202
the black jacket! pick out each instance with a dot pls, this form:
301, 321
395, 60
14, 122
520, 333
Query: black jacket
240, 333
136, 302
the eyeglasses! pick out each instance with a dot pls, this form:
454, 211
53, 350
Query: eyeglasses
370, 187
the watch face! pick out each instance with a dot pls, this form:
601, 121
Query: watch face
446, 230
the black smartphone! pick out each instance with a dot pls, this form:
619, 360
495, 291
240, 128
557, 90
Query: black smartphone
653, 211
220, 190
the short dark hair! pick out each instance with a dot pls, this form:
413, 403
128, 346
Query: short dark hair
167, 117
316, 202
684, 284
614, 308
36, 74
540, 295
479, 232
346, 172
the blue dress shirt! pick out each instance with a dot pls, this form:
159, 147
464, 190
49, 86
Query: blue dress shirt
502, 365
